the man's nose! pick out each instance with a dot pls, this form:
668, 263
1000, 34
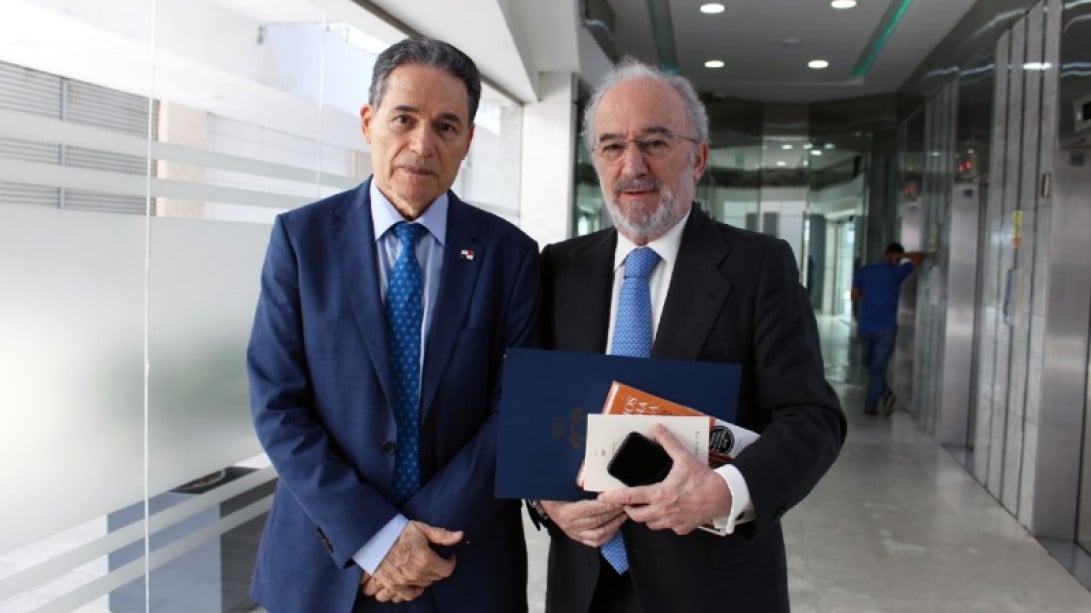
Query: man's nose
422, 141
632, 159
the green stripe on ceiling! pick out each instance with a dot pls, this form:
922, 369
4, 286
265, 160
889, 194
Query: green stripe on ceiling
879, 38
659, 15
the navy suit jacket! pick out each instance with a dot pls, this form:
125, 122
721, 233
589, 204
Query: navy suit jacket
734, 297
321, 399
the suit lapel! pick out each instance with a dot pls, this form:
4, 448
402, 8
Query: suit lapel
458, 278
697, 292
354, 243
588, 316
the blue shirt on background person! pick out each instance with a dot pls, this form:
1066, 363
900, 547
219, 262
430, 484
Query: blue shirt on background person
879, 284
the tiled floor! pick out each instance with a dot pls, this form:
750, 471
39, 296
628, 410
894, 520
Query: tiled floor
897, 525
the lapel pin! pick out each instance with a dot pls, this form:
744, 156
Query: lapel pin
466, 254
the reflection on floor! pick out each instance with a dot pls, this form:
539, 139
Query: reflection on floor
898, 525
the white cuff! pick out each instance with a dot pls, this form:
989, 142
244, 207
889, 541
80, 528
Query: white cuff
742, 508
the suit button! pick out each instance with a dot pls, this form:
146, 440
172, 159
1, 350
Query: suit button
389, 447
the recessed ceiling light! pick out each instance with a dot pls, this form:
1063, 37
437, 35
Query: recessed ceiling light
714, 64
808, 146
781, 163
828, 146
817, 64
786, 146
713, 8
816, 152
843, 4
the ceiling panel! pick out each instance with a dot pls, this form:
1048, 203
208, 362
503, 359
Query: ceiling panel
766, 44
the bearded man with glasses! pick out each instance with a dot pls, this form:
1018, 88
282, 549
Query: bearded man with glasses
711, 293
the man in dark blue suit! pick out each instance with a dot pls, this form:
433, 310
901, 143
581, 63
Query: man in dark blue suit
374, 364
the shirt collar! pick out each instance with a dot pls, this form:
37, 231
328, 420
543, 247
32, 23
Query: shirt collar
384, 215
666, 246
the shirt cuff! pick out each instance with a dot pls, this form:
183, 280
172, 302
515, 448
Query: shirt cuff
374, 551
742, 508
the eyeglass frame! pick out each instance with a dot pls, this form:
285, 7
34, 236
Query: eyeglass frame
642, 143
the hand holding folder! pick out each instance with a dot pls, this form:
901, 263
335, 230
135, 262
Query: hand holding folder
710, 441
547, 395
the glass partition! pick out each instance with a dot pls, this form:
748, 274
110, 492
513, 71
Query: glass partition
145, 148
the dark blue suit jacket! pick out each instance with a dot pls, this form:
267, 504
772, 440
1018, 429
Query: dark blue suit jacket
320, 386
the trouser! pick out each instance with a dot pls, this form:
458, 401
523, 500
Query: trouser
877, 348
614, 593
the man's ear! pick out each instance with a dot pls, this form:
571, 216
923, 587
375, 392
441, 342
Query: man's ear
366, 115
469, 139
700, 162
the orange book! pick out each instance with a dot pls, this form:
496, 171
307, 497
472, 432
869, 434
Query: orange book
627, 400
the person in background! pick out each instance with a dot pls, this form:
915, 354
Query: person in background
876, 288
667, 281
374, 366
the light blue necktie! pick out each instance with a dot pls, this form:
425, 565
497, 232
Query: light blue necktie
632, 337
403, 320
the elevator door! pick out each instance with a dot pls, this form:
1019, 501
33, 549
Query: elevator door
1083, 520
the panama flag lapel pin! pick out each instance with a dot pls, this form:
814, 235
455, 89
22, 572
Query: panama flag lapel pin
466, 254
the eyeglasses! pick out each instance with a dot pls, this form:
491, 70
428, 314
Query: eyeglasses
657, 145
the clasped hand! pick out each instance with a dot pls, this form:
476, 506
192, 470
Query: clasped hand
411, 565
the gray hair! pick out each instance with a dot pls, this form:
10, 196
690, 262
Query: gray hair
426, 52
629, 69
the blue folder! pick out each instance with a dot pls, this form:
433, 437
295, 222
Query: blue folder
545, 398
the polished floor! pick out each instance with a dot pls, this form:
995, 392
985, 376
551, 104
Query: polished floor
898, 525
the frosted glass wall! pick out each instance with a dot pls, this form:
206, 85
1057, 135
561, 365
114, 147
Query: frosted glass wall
145, 147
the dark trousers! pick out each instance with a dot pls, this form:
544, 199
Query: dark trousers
613, 593
877, 348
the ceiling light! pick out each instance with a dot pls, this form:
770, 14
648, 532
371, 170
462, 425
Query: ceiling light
843, 4
817, 64
808, 146
714, 64
781, 163
1036, 66
828, 146
712, 8
816, 152
786, 146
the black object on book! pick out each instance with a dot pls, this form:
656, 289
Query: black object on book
639, 461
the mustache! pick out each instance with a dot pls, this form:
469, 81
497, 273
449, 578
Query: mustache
638, 184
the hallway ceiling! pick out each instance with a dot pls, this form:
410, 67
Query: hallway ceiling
765, 44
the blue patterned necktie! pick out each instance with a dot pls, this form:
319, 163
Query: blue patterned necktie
403, 320
632, 337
